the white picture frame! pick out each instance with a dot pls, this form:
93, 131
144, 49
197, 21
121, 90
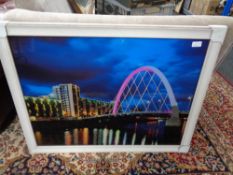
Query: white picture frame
215, 34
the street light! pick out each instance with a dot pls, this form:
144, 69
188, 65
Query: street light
190, 100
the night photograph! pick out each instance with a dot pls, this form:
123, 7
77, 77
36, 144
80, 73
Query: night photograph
108, 91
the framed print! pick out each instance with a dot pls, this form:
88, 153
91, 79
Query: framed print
90, 87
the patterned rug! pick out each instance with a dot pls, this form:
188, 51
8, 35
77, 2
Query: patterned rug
217, 117
212, 136
15, 159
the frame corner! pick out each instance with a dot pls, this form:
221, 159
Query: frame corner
184, 148
3, 32
218, 33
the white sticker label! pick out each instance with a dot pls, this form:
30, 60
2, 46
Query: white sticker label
196, 43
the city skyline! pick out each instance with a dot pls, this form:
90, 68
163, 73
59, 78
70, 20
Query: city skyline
88, 61
66, 99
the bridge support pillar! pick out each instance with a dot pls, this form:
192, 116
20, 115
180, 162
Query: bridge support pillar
175, 119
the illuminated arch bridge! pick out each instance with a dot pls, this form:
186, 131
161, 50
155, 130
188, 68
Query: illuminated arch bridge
146, 89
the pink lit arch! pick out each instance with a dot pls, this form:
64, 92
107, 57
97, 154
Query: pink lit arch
148, 69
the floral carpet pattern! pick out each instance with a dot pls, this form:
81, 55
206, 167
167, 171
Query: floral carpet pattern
201, 158
217, 117
12, 144
210, 153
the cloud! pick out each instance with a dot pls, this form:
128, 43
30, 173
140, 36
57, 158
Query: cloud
32, 88
100, 65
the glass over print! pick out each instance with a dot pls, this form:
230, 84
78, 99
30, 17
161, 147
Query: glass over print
108, 90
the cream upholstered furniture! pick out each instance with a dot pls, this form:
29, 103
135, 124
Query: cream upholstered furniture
32, 16
44, 5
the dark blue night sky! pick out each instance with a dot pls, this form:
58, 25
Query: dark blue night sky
100, 65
